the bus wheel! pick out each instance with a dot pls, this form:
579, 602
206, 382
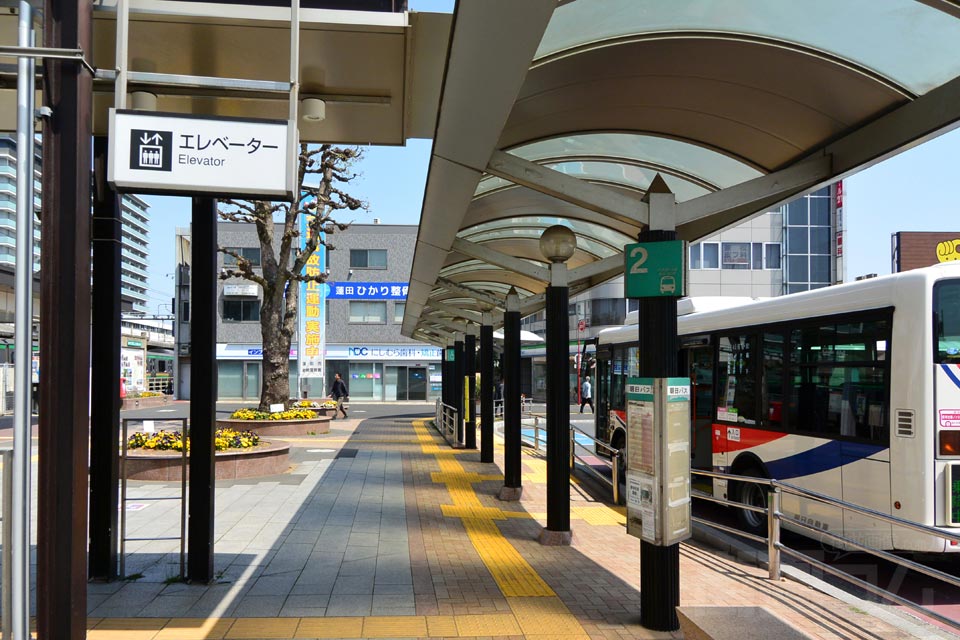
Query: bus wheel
754, 495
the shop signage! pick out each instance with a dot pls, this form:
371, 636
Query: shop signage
134, 343
243, 352
383, 352
367, 290
178, 154
241, 289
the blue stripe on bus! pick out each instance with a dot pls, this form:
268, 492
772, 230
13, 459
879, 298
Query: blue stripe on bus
951, 374
819, 459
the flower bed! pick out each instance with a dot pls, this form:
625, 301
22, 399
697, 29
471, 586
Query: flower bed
323, 408
293, 422
239, 454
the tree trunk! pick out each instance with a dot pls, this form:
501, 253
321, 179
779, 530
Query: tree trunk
276, 351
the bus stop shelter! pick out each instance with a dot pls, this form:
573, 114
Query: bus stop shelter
621, 120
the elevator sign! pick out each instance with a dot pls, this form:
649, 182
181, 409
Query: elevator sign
176, 154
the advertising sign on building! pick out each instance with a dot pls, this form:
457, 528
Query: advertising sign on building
367, 290
916, 249
178, 154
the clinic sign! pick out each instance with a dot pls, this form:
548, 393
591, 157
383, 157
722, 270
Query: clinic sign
185, 155
383, 352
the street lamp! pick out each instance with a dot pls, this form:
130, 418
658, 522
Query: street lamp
558, 244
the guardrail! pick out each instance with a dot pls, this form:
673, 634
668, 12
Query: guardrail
525, 405
446, 423
775, 547
615, 454
184, 434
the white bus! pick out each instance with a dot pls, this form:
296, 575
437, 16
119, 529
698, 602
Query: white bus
852, 391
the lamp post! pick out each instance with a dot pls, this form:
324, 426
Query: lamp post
557, 244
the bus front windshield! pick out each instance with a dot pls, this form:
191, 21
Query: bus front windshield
946, 314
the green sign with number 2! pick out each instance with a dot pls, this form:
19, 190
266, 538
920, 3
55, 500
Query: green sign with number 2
654, 269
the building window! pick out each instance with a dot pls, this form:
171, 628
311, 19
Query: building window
241, 310
736, 255
364, 312
398, 310
771, 255
368, 258
705, 255
184, 311
248, 253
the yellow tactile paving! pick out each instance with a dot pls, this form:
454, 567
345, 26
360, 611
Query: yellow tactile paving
441, 626
491, 624
600, 515
547, 616
330, 628
131, 624
263, 628
120, 634
512, 573
395, 627
194, 629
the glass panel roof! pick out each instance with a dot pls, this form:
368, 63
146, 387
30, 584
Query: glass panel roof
698, 162
591, 246
582, 229
914, 45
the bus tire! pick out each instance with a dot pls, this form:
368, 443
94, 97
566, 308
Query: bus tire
754, 495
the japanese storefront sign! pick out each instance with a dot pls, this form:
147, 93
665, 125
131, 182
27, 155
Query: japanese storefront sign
170, 153
313, 305
367, 290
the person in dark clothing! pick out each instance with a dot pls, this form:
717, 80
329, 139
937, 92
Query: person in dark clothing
339, 393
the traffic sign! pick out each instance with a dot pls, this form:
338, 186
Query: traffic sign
655, 269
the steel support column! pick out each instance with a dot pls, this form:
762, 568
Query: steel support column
558, 410
512, 483
458, 372
658, 347
486, 392
470, 375
64, 329
105, 366
203, 390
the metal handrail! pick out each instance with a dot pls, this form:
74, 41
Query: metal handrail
446, 422
184, 431
775, 547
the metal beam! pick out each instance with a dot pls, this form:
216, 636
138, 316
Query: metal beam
502, 260
927, 117
479, 296
608, 267
605, 200
704, 215
443, 322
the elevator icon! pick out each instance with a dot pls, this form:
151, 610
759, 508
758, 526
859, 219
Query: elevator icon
150, 150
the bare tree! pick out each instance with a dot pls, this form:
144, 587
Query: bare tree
284, 261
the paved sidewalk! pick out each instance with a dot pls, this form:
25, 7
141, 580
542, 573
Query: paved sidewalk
381, 530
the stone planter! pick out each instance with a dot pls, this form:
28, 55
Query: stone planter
267, 428
145, 403
268, 459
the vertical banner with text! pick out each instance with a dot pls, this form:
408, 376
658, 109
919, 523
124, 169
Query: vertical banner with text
312, 328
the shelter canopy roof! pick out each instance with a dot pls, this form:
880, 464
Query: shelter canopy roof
563, 113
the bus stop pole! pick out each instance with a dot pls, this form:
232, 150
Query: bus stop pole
658, 353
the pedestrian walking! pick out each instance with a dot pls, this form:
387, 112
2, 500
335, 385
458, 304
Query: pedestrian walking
339, 393
586, 394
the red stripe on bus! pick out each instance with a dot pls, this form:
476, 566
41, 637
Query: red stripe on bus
748, 438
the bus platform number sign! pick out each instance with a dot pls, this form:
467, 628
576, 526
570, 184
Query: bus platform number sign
655, 269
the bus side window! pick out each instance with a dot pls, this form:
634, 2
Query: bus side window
737, 384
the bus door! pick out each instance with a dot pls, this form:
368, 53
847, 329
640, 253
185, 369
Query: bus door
601, 395
700, 370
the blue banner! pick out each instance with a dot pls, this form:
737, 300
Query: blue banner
367, 290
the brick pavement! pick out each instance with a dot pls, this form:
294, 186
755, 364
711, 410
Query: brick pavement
393, 534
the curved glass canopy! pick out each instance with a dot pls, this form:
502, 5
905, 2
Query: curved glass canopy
904, 41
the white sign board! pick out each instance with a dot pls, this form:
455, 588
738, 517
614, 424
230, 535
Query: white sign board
170, 153
241, 289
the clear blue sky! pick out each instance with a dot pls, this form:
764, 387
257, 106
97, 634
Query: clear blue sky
914, 191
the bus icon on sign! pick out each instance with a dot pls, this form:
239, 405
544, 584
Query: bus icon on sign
668, 284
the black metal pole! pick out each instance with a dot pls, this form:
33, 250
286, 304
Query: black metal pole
203, 390
458, 372
558, 415
105, 367
511, 400
63, 445
486, 393
470, 365
659, 565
